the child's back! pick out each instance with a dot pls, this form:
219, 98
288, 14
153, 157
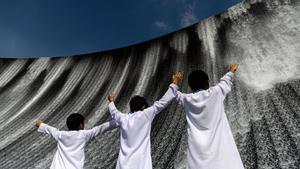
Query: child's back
210, 141
71, 144
135, 149
135, 146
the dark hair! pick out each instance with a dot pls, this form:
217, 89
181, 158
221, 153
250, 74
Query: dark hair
74, 120
137, 103
198, 80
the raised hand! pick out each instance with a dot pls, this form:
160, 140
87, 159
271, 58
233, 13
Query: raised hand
233, 68
38, 122
177, 78
110, 97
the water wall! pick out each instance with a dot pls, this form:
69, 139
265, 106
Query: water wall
262, 36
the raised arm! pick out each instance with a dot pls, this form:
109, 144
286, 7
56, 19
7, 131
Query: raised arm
44, 128
159, 105
114, 112
101, 129
226, 81
180, 97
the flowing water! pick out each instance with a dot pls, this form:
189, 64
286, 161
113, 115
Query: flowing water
262, 36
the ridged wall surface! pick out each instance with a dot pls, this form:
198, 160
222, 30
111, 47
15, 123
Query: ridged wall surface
262, 36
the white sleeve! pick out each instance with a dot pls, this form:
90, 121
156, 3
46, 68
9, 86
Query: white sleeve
52, 131
101, 129
225, 84
159, 105
115, 113
180, 97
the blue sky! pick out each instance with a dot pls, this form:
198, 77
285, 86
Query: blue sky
34, 28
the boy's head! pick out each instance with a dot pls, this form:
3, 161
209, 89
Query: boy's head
75, 121
138, 103
198, 80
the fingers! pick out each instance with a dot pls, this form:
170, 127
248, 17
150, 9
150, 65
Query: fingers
234, 65
233, 68
38, 122
178, 74
110, 96
177, 77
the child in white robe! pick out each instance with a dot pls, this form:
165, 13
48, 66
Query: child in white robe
210, 141
135, 146
71, 144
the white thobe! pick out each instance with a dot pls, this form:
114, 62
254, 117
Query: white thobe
135, 147
70, 144
210, 141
